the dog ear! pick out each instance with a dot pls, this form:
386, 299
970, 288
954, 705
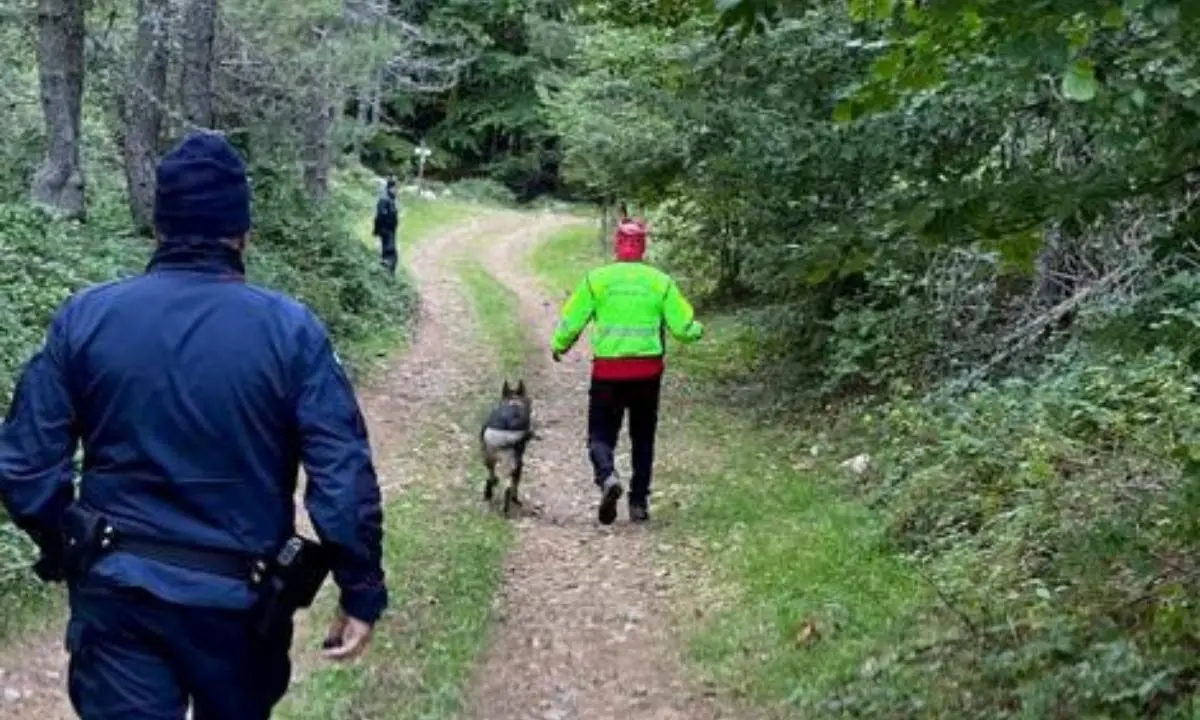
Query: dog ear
521, 388
505, 391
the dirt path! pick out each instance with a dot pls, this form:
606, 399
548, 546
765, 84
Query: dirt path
583, 624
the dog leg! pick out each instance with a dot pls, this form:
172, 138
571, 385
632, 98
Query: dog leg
489, 489
510, 499
515, 479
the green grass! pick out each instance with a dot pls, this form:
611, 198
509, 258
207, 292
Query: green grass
782, 546
444, 563
789, 549
423, 218
444, 554
496, 310
780, 537
563, 258
29, 607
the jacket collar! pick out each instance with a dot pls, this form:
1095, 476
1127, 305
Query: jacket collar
200, 255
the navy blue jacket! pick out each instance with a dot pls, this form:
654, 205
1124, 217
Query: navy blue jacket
387, 216
196, 397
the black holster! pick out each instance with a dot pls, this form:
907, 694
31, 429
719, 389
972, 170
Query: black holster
86, 535
288, 582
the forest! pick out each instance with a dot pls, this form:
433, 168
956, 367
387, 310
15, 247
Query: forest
946, 250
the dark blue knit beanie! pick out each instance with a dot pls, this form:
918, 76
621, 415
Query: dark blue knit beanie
202, 189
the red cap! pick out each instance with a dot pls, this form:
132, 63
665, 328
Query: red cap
629, 241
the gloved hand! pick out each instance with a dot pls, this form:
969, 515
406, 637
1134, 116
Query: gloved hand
556, 355
49, 566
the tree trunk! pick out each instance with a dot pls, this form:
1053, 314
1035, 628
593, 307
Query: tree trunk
58, 183
606, 226
319, 125
318, 136
377, 102
319, 146
364, 119
142, 108
199, 29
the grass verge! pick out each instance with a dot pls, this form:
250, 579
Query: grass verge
29, 606
496, 310
444, 559
564, 257
804, 586
444, 556
423, 218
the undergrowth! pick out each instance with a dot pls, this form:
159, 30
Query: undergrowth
1049, 517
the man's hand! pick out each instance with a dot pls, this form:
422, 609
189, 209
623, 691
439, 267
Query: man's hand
347, 638
556, 355
49, 568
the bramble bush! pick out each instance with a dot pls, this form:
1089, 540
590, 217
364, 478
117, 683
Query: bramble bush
1057, 523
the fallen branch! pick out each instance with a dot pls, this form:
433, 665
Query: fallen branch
1024, 336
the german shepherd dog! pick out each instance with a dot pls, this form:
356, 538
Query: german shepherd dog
508, 430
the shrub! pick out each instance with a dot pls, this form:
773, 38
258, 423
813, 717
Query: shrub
1056, 517
483, 191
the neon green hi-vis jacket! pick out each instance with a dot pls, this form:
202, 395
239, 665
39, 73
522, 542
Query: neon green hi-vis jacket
632, 305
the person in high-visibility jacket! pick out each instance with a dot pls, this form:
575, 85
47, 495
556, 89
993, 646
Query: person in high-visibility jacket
632, 306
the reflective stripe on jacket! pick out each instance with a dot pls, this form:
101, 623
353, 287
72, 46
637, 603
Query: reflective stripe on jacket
632, 306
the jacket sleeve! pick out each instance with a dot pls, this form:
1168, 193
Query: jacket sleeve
342, 494
37, 444
576, 314
391, 215
680, 317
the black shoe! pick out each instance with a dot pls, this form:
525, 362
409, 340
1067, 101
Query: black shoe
639, 513
611, 492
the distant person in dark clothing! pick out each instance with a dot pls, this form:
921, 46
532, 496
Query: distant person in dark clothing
387, 217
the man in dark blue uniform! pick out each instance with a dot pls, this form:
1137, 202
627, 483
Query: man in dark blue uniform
387, 219
196, 397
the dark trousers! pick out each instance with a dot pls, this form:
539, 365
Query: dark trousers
608, 401
387, 249
136, 657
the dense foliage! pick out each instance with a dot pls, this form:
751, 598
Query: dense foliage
491, 123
